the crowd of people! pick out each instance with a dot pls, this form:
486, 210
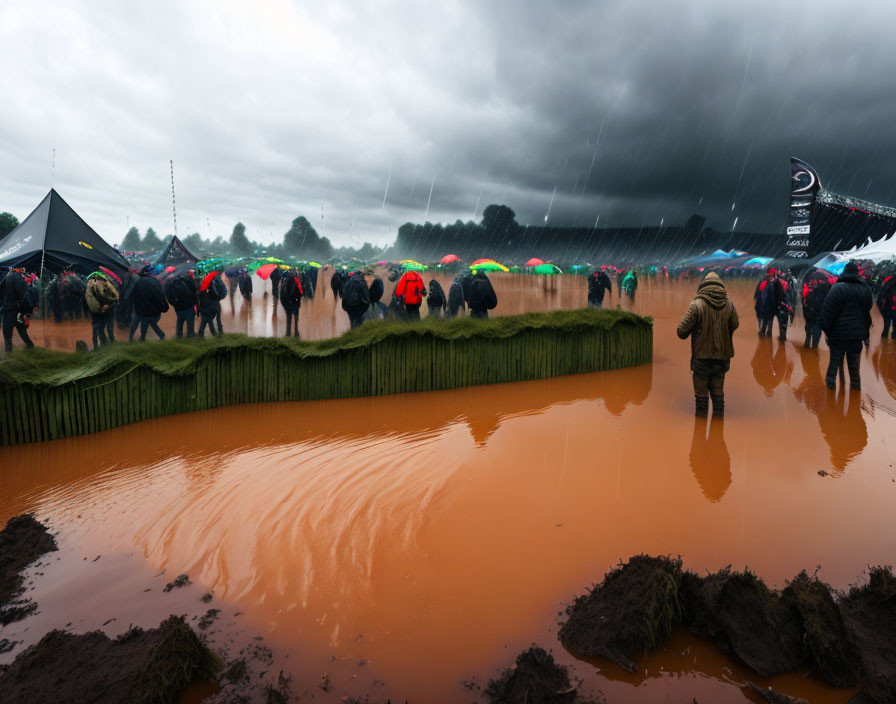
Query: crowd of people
839, 307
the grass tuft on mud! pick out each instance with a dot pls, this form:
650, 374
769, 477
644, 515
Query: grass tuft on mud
140, 667
535, 677
22, 541
43, 367
848, 639
630, 613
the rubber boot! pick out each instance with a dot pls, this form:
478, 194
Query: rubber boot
702, 406
718, 405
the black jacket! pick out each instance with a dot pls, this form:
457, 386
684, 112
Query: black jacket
455, 297
210, 299
355, 294
482, 295
291, 292
436, 298
148, 297
245, 284
814, 300
15, 295
376, 290
768, 296
336, 282
846, 314
598, 284
466, 282
182, 293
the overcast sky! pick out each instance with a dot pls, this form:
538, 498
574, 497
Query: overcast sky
624, 113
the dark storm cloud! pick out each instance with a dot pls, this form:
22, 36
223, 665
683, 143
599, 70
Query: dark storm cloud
620, 113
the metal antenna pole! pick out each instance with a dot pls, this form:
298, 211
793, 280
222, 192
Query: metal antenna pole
53, 170
173, 203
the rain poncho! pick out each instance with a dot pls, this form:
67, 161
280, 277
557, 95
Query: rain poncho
710, 321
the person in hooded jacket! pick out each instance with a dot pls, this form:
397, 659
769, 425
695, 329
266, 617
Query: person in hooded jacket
456, 302
210, 298
886, 304
598, 285
435, 301
16, 308
787, 304
183, 295
710, 322
355, 298
336, 282
411, 290
101, 296
244, 281
149, 303
767, 296
378, 309
291, 291
221, 290
846, 321
276, 277
815, 290
482, 296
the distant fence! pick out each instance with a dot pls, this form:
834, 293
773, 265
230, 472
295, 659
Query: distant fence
46, 395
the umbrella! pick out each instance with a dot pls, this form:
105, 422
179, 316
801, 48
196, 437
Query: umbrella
411, 265
547, 269
206, 282
382, 262
264, 271
111, 273
315, 265
482, 261
535, 261
757, 261
169, 269
489, 266
448, 258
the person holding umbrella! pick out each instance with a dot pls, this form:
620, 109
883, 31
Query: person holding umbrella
291, 291
149, 304
210, 297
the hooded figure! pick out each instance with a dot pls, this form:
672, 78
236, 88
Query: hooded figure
355, 298
768, 297
16, 307
598, 284
102, 297
846, 320
436, 301
291, 292
482, 296
377, 288
336, 282
710, 321
148, 299
456, 300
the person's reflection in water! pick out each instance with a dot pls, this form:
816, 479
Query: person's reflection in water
710, 460
839, 415
843, 426
884, 361
770, 370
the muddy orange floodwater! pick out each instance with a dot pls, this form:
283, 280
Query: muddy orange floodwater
406, 543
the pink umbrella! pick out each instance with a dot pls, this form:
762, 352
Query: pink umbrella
169, 269
264, 271
448, 258
382, 263
534, 261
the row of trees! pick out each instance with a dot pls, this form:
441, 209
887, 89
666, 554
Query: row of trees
8, 223
300, 240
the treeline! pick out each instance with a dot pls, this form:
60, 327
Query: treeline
300, 240
501, 237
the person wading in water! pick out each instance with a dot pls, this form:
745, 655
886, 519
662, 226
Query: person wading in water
710, 321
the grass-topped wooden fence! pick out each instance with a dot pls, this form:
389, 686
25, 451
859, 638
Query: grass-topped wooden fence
46, 394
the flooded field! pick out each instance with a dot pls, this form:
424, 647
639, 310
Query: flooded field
404, 544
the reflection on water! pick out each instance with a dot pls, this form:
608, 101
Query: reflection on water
770, 369
709, 458
884, 360
436, 535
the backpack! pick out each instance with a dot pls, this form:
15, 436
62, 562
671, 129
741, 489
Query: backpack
355, 294
436, 295
376, 290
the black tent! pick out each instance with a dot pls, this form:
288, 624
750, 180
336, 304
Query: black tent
174, 253
54, 236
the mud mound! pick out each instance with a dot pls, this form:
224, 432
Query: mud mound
869, 613
744, 617
631, 612
21, 543
141, 667
830, 644
534, 678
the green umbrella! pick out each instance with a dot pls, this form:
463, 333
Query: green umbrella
488, 266
547, 269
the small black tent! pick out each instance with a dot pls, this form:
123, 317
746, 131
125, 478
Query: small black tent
174, 253
55, 235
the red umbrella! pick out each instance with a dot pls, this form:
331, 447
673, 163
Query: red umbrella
265, 270
111, 273
534, 261
448, 258
206, 282
169, 269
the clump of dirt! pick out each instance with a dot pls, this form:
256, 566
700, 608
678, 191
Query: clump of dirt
869, 613
744, 617
22, 541
771, 696
141, 667
534, 678
630, 613
181, 580
834, 651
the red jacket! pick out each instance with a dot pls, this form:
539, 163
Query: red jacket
411, 286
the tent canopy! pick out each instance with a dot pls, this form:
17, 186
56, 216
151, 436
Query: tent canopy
175, 252
57, 236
